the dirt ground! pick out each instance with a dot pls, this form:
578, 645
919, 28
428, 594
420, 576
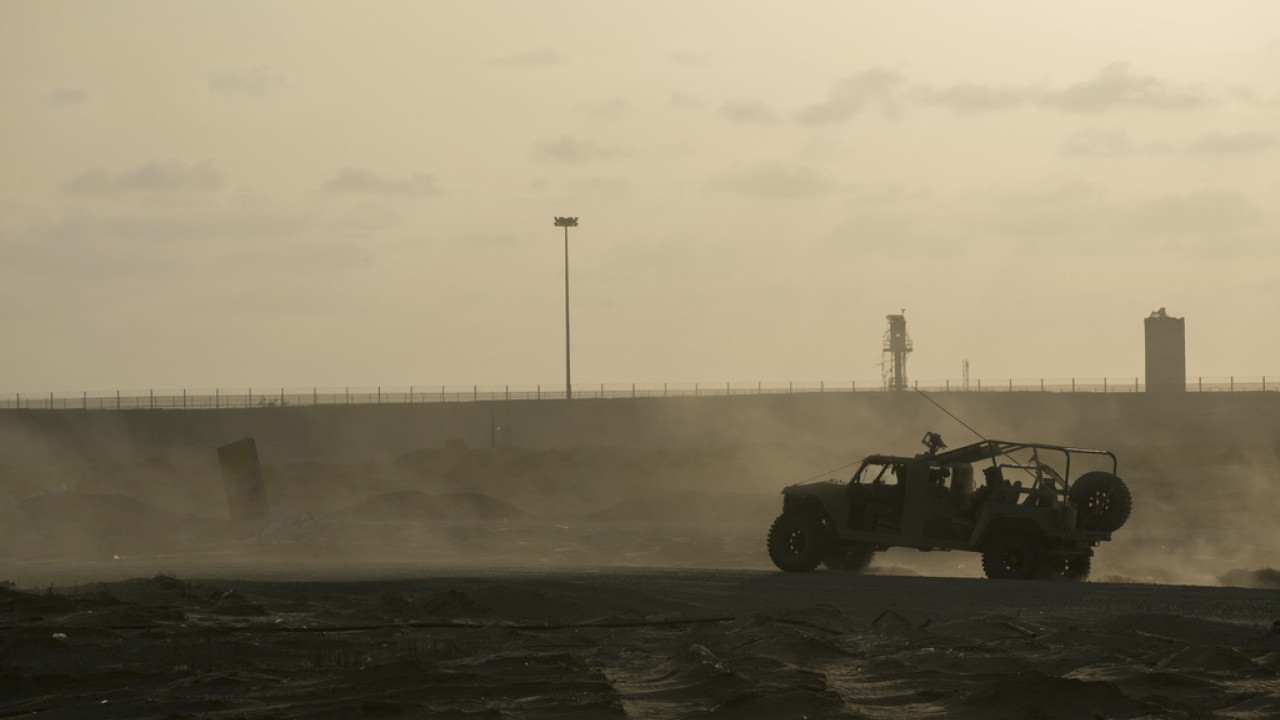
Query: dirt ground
401, 640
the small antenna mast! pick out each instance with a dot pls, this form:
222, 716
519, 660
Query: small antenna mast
951, 414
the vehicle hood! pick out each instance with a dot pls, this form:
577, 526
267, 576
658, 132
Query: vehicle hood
809, 487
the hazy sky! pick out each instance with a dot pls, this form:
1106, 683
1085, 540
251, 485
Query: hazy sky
266, 194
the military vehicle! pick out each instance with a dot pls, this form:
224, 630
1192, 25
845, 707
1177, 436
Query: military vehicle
1030, 518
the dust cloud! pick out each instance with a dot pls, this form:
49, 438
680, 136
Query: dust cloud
683, 483
606, 559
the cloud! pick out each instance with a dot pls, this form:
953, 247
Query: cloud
1094, 142
611, 109
113, 242
537, 58
971, 98
613, 187
1098, 143
881, 195
1203, 212
572, 150
67, 96
1041, 216
359, 181
889, 235
777, 180
887, 221
877, 88
172, 176
1234, 144
258, 81
1072, 194
747, 112
112, 246
1115, 87
685, 101
1085, 219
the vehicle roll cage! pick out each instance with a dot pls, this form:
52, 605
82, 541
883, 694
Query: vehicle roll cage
993, 449
1043, 473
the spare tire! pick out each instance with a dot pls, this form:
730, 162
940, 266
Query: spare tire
1102, 501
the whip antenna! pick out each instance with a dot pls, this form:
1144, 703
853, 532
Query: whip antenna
948, 412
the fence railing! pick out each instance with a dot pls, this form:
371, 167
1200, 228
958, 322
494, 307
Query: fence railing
293, 397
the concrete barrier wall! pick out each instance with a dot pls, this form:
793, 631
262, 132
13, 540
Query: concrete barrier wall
837, 421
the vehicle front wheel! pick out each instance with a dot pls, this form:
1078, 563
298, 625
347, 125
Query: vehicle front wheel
797, 542
1010, 556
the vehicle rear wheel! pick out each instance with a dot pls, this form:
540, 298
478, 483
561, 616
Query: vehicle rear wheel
797, 542
852, 558
1102, 501
1010, 556
1069, 567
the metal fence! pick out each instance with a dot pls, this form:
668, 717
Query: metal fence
295, 397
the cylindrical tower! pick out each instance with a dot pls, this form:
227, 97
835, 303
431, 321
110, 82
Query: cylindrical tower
1166, 353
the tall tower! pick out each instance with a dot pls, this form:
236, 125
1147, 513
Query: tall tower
1166, 353
897, 343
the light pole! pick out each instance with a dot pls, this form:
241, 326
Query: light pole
566, 223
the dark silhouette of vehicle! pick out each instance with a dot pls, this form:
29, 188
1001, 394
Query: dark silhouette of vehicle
1029, 518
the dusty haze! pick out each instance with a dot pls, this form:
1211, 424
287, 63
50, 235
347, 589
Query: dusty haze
620, 483
323, 194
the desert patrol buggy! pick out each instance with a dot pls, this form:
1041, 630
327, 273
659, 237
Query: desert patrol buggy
1029, 518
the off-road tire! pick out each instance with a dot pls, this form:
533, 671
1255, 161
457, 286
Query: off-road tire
1068, 567
797, 541
1102, 501
849, 558
1010, 556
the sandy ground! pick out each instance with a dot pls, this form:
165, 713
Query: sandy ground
400, 640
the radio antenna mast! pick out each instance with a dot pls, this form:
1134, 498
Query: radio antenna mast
951, 414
